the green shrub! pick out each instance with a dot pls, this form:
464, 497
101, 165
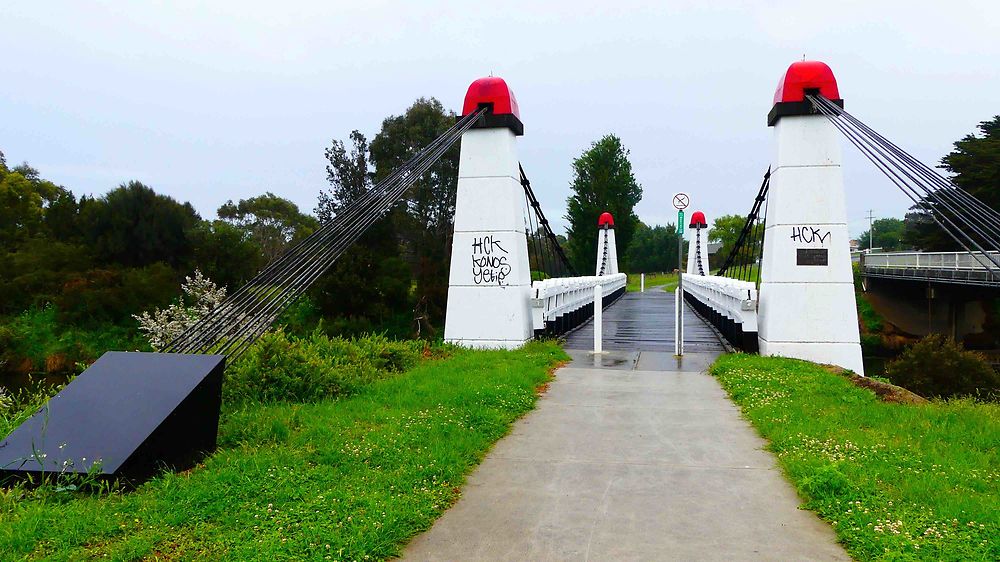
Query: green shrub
871, 320
16, 407
871, 344
396, 326
825, 482
37, 335
104, 296
280, 367
937, 366
302, 317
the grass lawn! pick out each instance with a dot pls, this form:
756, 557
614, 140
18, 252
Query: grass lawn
338, 479
897, 482
746, 272
652, 280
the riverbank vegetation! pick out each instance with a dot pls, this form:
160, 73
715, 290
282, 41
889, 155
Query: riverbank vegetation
75, 268
343, 451
896, 481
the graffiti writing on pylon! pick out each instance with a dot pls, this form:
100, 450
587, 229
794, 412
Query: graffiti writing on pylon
809, 234
489, 261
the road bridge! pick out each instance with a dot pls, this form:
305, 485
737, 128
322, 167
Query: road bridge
955, 268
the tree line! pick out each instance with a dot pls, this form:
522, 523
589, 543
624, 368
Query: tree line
75, 268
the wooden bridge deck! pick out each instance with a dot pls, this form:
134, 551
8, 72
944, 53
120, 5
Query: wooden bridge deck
645, 322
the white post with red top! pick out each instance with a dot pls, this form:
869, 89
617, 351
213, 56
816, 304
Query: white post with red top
489, 286
607, 250
807, 308
698, 245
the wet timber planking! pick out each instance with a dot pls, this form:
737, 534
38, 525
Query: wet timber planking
645, 322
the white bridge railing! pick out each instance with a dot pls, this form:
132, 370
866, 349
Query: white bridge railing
729, 304
556, 302
930, 260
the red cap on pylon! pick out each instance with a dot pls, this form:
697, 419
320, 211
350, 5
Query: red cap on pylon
698, 220
801, 78
493, 93
806, 75
606, 220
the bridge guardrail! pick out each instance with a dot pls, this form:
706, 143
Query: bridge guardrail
946, 267
929, 260
729, 304
559, 305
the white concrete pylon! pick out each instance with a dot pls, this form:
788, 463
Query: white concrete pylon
807, 307
607, 250
697, 245
489, 286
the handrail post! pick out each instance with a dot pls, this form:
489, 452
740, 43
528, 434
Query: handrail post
598, 319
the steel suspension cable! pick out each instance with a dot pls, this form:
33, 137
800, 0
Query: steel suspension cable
292, 258
276, 305
910, 166
883, 162
945, 188
279, 302
890, 168
277, 277
734, 252
544, 222
263, 298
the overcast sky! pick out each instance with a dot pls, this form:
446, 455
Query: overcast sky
209, 101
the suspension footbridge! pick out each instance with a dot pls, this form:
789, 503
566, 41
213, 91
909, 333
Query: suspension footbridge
642, 438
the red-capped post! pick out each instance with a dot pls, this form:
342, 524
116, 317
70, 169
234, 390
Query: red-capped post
806, 304
697, 261
489, 260
607, 249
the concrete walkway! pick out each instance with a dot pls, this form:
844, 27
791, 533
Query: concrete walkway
640, 458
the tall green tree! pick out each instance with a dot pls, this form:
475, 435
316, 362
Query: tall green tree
24, 197
135, 226
888, 235
272, 222
349, 174
602, 181
370, 282
424, 221
653, 249
225, 253
974, 166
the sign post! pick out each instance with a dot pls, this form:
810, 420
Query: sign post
681, 202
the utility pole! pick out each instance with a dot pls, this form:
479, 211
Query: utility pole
871, 230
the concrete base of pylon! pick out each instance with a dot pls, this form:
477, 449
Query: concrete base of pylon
846, 355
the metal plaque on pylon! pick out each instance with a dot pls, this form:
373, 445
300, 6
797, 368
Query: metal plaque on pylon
681, 200
680, 221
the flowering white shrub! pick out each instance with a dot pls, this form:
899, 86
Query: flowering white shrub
201, 295
5, 401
